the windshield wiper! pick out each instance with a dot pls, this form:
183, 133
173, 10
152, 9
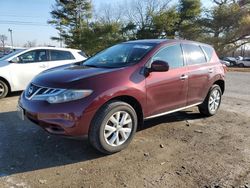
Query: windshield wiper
91, 66
97, 66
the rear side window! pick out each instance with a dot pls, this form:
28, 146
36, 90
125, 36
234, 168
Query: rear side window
57, 55
209, 51
172, 55
194, 54
82, 54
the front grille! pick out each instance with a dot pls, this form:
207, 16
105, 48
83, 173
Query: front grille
34, 90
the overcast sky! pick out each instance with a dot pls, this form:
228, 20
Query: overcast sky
28, 19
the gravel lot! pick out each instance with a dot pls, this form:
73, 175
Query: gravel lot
178, 150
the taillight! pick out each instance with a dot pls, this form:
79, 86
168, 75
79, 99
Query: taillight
224, 67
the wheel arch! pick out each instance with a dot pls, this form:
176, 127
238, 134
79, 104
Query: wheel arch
132, 101
7, 83
220, 83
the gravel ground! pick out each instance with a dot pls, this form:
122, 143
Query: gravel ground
183, 149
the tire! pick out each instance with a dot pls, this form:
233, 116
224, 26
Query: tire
241, 65
3, 89
102, 137
212, 101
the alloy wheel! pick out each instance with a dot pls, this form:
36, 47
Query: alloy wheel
118, 128
214, 100
2, 89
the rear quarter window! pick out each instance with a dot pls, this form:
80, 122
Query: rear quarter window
82, 54
57, 55
194, 54
209, 51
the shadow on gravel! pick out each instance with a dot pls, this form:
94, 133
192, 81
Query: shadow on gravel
26, 147
174, 117
14, 94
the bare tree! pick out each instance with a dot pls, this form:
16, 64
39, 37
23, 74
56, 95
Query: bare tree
3, 38
110, 13
141, 11
30, 44
221, 2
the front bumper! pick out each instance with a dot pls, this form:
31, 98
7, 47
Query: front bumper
70, 119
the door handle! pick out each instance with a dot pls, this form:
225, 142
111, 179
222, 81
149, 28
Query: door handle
211, 70
184, 77
43, 66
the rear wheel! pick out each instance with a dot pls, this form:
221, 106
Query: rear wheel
3, 89
113, 127
232, 64
212, 102
241, 65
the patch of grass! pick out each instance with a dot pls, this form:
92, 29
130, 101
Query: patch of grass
238, 69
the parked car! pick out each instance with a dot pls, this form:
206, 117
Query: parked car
228, 64
18, 68
10, 54
231, 60
1, 54
245, 62
110, 94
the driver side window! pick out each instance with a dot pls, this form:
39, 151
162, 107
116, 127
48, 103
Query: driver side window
33, 56
172, 55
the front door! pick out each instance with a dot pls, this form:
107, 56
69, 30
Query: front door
167, 91
27, 66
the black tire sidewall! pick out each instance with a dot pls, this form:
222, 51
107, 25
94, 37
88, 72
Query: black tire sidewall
5, 87
127, 108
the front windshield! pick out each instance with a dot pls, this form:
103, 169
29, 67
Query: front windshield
120, 55
11, 54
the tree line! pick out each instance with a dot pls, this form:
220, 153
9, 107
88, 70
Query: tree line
225, 24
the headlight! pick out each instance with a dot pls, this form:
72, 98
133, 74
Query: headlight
68, 95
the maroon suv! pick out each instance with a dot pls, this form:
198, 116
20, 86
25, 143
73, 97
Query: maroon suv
108, 95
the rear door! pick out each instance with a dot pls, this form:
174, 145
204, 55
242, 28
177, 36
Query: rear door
247, 62
27, 66
167, 91
199, 71
60, 57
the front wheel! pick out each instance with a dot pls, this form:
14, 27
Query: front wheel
113, 127
212, 102
3, 89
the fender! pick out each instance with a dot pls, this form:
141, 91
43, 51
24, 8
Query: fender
110, 94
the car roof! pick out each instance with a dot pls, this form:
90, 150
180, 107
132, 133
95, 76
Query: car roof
162, 41
154, 41
52, 48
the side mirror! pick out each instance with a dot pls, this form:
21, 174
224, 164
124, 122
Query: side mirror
159, 66
15, 60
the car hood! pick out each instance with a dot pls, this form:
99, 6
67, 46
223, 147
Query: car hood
65, 75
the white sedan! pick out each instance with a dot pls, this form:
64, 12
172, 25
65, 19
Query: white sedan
20, 67
244, 62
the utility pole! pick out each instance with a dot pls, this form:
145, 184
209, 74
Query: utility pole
10, 30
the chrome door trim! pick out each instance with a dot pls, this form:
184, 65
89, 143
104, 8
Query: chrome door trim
171, 111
